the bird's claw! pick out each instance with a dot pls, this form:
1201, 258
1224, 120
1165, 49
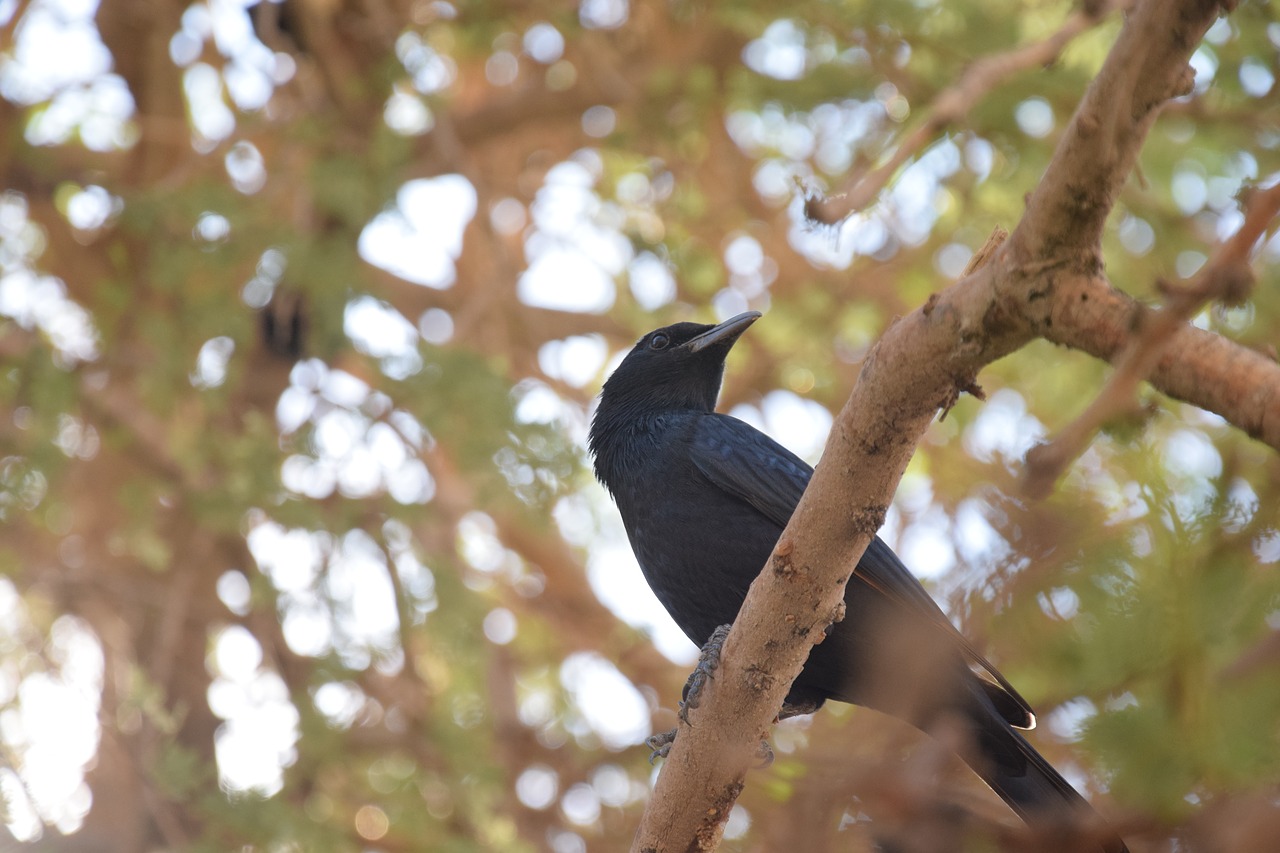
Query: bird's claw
660, 744
764, 754
708, 663
797, 709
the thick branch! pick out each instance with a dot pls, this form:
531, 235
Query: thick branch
1196, 366
1146, 66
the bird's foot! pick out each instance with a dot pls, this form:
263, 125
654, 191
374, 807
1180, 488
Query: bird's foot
708, 662
660, 744
797, 709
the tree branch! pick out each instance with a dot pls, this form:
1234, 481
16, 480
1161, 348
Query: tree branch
1227, 275
1146, 66
951, 105
1197, 366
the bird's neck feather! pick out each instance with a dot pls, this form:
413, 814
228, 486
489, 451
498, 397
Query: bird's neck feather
624, 431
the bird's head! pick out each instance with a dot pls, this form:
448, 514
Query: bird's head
675, 367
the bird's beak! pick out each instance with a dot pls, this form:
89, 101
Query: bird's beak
726, 332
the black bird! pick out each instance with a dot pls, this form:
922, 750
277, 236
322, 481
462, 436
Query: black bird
704, 498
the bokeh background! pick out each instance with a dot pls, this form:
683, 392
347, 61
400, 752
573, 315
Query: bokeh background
303, 306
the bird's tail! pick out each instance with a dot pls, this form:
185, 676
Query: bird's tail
1038, 793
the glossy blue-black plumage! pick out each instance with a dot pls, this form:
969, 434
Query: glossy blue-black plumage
704, 498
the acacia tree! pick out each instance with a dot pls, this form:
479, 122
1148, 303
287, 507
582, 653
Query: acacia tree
257, 513
1048, 281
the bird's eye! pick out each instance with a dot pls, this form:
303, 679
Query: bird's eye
659, 342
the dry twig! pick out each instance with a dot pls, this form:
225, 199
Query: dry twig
951, 105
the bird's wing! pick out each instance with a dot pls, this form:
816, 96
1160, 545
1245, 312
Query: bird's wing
745, 462
881, 569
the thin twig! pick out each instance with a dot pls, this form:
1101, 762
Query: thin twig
951, 105
1226, 276
987, 251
